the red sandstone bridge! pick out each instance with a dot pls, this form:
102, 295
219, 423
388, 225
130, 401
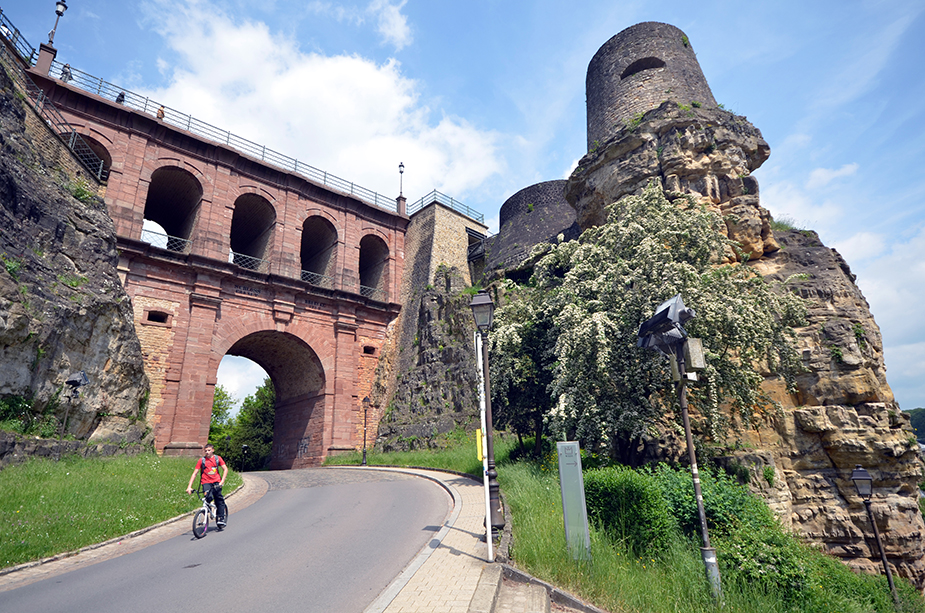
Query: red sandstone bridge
271, 260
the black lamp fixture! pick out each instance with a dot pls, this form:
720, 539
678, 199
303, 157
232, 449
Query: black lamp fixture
864, 484
60, 7
401, 172
483, 309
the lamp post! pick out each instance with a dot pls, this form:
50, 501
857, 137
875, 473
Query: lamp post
60, 7
665, 333
482, 310
401, 172
864, 484
75, 381
365, 410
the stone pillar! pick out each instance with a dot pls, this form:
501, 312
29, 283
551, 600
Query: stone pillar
47, 55
191, 418
402, 204
339, 421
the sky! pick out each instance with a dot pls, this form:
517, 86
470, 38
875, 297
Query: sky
480, 99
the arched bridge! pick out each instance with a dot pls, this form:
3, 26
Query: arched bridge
248, 259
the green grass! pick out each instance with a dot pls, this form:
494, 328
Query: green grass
457, 453
50, 507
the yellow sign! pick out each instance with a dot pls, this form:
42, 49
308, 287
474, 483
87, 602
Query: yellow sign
479, 444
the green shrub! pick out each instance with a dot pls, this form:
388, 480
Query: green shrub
727, 504
630, 506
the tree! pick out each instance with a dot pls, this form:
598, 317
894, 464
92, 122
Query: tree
252, 427
591, 295
223, 403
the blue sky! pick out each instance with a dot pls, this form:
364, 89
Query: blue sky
481, 98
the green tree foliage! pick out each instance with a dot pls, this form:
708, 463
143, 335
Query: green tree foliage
574, 324
917, 417
252, 427
223, 403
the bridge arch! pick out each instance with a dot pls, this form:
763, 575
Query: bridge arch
374, 266
318, 253
173, 202
252, 228
300, 383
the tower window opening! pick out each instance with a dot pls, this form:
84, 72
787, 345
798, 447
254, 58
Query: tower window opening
646, 63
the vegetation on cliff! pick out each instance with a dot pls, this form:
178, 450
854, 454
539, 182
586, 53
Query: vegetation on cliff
564, 344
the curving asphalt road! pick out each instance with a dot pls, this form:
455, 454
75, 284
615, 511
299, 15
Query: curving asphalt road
319, 540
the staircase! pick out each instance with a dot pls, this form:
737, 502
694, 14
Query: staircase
504, 589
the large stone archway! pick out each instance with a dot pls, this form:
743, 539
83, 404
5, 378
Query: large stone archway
301, 399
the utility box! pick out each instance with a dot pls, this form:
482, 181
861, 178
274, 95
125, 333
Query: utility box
694, 360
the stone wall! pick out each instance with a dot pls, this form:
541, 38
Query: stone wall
637, 70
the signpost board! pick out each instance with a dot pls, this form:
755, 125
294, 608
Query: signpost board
574, 510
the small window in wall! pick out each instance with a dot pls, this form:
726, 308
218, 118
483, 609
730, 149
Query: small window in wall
367, 350
156, 318
646, 63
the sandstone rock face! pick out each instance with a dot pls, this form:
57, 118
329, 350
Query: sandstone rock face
62, 305
707, 153
842, 412
426, 378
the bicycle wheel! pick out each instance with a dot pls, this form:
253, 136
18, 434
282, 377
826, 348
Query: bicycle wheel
200, 524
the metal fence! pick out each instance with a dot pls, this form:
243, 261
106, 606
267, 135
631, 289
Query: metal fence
173, 117
165, 241
372, 292
317, 279
56, 121
249, 262
445, 200
26, 52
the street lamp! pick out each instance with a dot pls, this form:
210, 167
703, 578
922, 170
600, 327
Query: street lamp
664, 332
365, 409
482, 310
60, 7
401, 172
864, 484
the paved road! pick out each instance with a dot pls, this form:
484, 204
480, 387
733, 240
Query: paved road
319, 540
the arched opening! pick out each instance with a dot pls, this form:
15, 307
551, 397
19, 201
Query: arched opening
252, 231
173, 200
298, 381
319, 252
646, 63
100, 150
373, 267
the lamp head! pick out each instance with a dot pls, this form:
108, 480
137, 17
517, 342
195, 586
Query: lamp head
366, 402
401, 168
862, 481
483, 309
60, 7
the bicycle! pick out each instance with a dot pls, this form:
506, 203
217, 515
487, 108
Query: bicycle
204, 515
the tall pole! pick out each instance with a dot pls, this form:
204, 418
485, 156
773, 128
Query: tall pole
494, 495
886, 566
706, 552
365, 409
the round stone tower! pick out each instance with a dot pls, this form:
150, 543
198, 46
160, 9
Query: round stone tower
635, 71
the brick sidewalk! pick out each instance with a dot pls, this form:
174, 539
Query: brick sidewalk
443, 578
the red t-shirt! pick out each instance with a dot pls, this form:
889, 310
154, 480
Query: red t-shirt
210, 470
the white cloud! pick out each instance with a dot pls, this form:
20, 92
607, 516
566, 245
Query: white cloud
786, 200
820, 177
861, 246
344, 114
240, 377
392, 25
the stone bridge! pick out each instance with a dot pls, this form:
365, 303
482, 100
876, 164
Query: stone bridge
253, 261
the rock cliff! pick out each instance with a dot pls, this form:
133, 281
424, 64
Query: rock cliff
843, 412
62, 305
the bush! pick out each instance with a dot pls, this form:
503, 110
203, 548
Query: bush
630, 506
728, 504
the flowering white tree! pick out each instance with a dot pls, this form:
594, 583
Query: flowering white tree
589, 297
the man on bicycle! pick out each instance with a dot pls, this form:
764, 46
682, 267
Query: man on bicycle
212, 484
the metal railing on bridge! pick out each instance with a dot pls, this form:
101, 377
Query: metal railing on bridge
173, 117
318, 280
249, 262
165, 241
445, 200
27, 52
55, 120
